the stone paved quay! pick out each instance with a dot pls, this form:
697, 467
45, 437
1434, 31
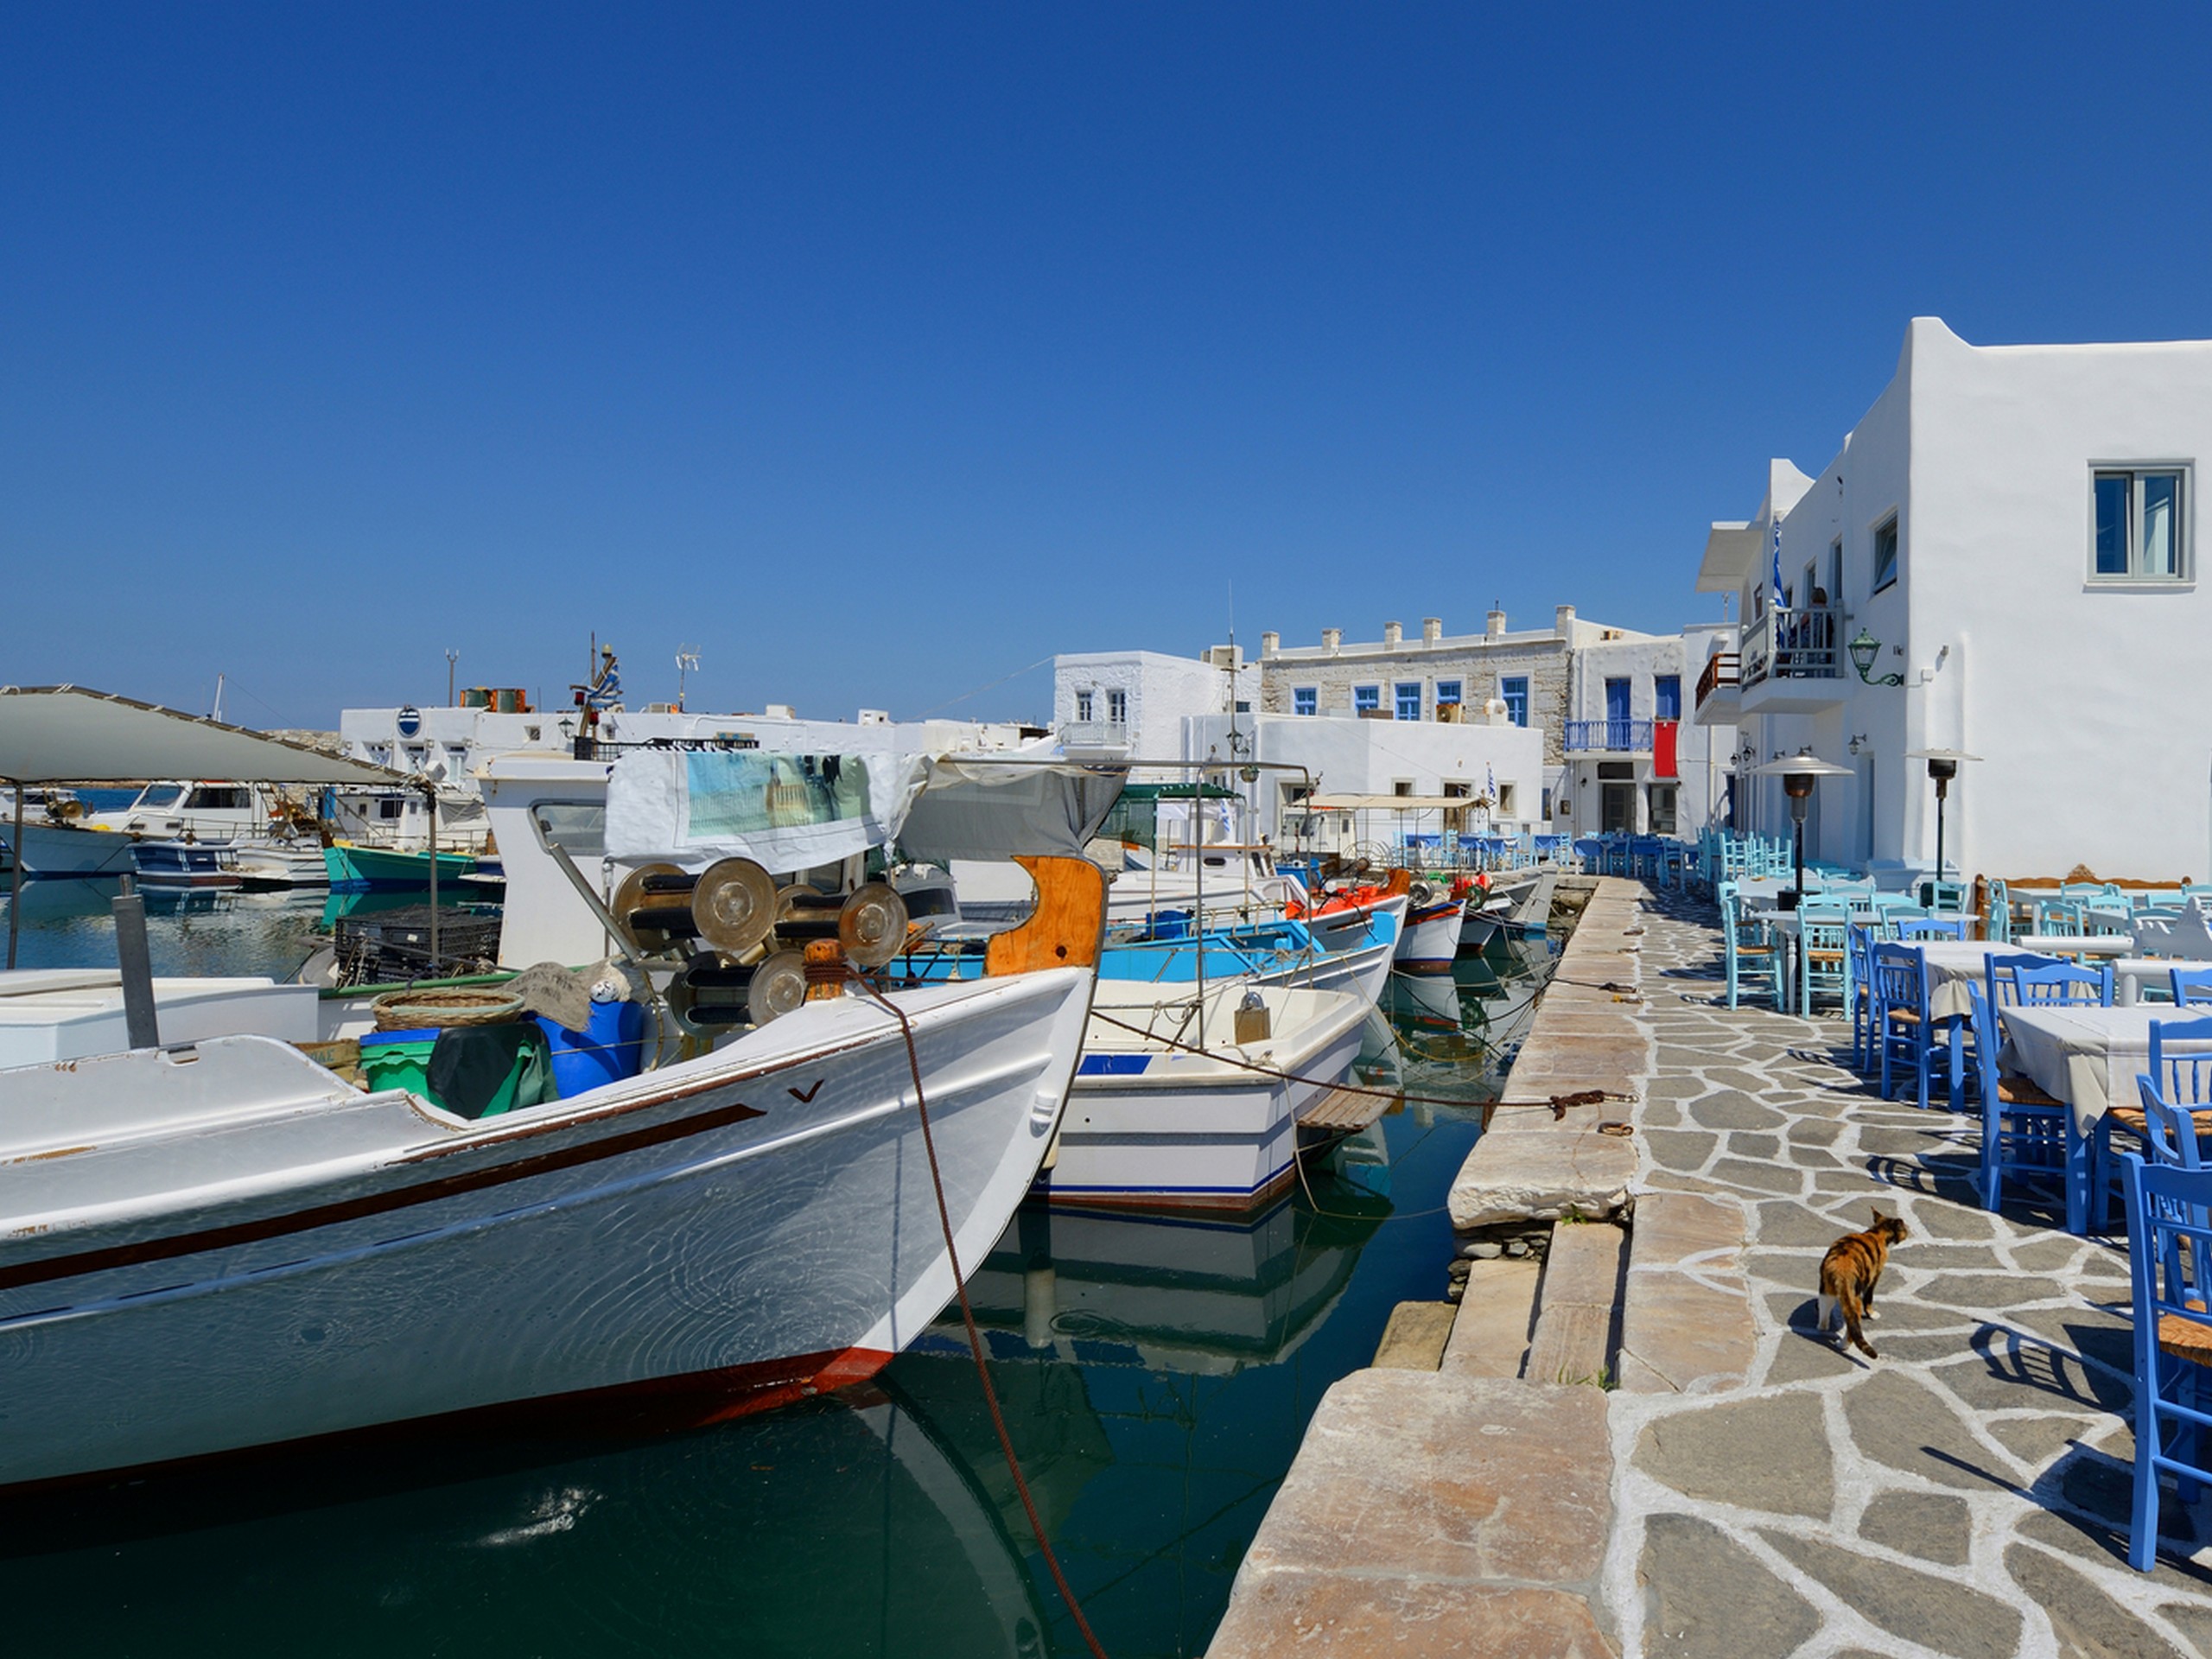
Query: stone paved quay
1965, 1495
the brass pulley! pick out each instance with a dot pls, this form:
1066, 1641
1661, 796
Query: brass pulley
633, 901
778, 986
872, 925
734, 905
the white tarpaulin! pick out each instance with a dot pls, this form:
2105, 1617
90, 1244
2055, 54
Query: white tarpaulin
67, 734
789, 812
792, 812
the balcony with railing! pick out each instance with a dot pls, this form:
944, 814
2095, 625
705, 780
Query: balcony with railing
1607, 736
1097, 736
1792, 659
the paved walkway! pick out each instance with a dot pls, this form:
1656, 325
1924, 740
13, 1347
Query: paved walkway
1965, 1495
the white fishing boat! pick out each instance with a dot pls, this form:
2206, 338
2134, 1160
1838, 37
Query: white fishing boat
1190, 1101
220, 1245
1429, 942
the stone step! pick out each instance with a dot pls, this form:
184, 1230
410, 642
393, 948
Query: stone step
1578, 1305
1687, 1325
1541, 1172
1414, 1338
1433, 1513
1491, 1336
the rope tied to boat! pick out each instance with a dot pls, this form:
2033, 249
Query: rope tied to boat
968, 1320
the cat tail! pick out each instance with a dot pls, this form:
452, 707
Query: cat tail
1853, 1311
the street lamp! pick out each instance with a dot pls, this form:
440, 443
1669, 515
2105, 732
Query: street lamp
1863, 652
1799, 772
1942, 767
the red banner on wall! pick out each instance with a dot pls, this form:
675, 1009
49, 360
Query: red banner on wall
1662, 747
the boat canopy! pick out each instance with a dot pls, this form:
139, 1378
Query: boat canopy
71, 735
799, 811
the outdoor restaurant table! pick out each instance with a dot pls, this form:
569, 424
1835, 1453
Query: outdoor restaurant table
1954, 968
2087, 1057
2073, 944
2131, 974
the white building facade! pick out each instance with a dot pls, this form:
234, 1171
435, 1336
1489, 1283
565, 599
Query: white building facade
2010, 535
1634, 763
1132, 704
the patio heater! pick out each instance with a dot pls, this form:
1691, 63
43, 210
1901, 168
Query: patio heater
1942, 767
1799, 772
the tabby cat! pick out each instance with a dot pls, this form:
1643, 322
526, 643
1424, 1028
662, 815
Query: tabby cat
1848, 1273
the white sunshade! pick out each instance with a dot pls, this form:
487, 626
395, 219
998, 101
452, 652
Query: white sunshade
68, 735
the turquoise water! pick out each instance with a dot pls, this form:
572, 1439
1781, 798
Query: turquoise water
1156, 1378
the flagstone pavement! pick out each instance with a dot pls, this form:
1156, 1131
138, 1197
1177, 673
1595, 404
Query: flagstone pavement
1964, 1495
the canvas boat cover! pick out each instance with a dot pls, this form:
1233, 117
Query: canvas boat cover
70, 734
799, 811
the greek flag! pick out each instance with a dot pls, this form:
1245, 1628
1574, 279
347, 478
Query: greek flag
1775, 598
1490, 782
608, 692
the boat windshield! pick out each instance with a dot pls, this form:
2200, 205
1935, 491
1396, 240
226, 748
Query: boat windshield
158, 797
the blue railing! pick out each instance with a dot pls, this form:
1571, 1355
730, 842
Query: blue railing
1611, 736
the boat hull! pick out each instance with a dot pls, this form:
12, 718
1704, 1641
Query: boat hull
731, 1233
55, 849
1165, 1130
1430, 940
354, 869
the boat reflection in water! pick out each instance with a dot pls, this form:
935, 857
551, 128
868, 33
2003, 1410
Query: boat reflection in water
744, 1539
1155, 1375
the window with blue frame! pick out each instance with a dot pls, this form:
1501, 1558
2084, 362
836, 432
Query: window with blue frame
1365, 699
1667, 696
1514, 688
1305, 700
1408, 700
1447, 691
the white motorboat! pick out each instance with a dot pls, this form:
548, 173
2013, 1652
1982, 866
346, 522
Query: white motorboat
1190, 1101
1429, 942
220, 1245
54, 846
1482, 922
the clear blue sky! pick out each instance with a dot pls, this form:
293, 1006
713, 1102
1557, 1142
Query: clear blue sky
881, 352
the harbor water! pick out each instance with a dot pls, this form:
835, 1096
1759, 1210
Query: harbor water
1156, 1377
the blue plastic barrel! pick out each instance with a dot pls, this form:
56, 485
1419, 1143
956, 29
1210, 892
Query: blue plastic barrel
607, 1051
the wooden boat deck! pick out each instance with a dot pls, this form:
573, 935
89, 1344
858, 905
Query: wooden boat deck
1344, 1111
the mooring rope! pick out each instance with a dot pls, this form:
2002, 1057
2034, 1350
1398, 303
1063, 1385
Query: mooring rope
974, 1337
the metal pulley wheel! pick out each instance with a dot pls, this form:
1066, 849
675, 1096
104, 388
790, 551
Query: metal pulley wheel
872, 925
778, 986
733, 906
630, 896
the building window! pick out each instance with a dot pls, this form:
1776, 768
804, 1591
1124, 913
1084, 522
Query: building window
1305, 700
1662, 809
1667, 696
1447, 691
2138, 525
1548, 803
1504, 800
1366, 699
1885, 553
1514, 688
1409, 700
1117, 707
1402, 787
1083, 705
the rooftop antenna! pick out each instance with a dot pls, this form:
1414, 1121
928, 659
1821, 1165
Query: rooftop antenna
687, 661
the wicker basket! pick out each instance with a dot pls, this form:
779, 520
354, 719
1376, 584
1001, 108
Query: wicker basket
420, 1010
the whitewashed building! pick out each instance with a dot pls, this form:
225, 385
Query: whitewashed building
1131, 704
1633, 763
2008, 536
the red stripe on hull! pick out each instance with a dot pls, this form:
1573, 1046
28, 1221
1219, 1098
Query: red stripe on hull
661, 1405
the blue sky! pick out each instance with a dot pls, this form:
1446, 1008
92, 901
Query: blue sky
880, 354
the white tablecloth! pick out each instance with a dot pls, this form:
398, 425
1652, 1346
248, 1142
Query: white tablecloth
2087, 1057
2063, 944
1954, 967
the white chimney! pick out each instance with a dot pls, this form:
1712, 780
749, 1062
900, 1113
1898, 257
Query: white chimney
1432, 629
1270, 643
1392, 633
1331, 639
1563, 620
1496, 624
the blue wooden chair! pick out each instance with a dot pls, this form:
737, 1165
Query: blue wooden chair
2191, 985
1823, 957
1749, 951
1902, 1028
2168, 1237
1933, 927
2174, 1106
2058, 918
1997, 917
2064, 982
2023, 1129
1950, 897
1859, 940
